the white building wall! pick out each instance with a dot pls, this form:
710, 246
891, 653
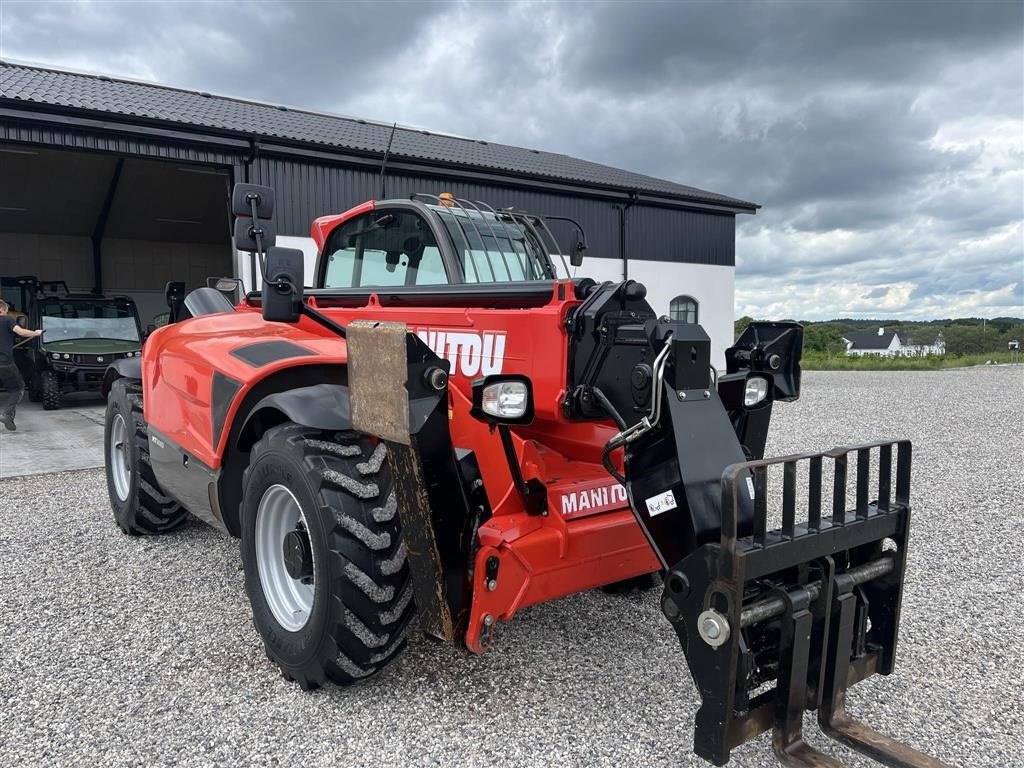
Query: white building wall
304, 244
712, 286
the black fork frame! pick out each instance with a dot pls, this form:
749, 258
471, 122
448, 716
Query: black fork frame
810, 608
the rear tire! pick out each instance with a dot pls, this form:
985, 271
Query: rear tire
139, 506
340, 610
49, 390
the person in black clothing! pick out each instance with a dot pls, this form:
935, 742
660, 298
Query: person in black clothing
12, 386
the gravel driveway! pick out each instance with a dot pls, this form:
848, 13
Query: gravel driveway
118, 651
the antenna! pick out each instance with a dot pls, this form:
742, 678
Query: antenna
384, 162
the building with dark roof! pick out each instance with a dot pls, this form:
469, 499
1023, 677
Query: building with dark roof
892, 343
113, 184
871, 342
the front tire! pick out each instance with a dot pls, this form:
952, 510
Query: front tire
49, 390
139, 506
323, 555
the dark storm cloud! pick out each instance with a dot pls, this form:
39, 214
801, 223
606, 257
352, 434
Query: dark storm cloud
784, 44
306, 54
884, 139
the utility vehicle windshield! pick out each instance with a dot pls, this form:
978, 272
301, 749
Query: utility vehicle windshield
69, 319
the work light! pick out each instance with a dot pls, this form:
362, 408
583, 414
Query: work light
506, 399
756, 391
503, 399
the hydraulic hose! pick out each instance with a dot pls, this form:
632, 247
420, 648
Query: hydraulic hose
602, 398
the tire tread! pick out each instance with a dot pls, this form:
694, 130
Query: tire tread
371, 583
153, 512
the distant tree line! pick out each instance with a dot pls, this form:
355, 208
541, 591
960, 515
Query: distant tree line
963, 335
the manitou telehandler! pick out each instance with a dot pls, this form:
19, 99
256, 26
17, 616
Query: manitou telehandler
445, 427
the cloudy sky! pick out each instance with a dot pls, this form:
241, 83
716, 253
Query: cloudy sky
884, 140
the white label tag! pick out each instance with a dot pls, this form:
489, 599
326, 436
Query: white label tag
750, 487
663, 502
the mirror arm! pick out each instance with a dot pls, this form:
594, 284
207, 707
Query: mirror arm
257, 231
324, 320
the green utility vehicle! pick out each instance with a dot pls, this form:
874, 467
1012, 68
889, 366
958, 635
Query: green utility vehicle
82, 335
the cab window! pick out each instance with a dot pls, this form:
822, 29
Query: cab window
383, 248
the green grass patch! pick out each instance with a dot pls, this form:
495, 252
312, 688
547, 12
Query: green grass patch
813, 361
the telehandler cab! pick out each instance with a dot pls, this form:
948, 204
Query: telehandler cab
444, 426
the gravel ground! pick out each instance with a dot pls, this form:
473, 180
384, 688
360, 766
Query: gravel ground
118, 651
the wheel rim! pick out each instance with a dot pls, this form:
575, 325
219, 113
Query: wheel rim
120, 468
289, 599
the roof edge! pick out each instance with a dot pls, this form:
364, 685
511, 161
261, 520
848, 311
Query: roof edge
103, 76
732, 204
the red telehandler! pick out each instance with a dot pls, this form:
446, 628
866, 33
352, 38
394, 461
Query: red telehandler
443, 427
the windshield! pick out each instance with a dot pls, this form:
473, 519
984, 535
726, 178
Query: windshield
494, 248
67, 319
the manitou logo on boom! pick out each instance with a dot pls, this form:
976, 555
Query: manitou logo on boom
471, 353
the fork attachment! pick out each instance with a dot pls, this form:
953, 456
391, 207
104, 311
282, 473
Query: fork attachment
777, 622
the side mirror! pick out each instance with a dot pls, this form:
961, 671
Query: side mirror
577, 248
243, 196
245, 234
282, 289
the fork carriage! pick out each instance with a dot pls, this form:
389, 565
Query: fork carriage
778, 622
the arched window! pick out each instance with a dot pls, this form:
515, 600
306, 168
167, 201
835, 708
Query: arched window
683, 309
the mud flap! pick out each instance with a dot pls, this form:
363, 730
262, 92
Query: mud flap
392, 397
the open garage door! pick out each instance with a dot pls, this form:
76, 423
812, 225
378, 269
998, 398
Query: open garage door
110, 224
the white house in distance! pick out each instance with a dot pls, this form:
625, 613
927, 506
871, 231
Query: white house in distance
889, 344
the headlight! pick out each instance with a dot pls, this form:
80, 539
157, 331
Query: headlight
67, 356
506, 400
756, 391
56, 355
503, 399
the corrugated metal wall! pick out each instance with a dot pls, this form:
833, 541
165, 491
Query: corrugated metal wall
667, 234
306, 189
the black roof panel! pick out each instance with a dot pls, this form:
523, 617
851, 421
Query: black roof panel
869, 339
97, 93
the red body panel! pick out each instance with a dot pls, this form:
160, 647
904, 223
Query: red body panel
180, 360
588, 538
